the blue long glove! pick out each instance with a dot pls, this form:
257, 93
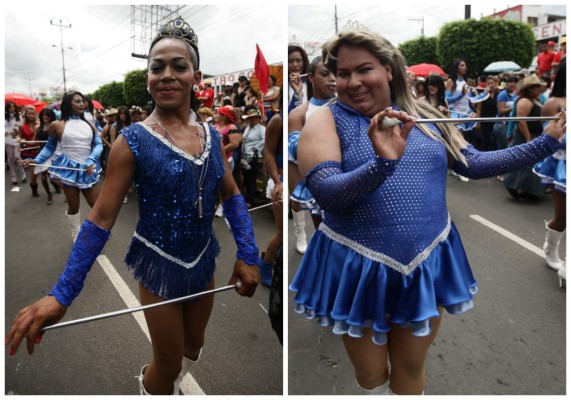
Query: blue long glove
334, 189
47, 151
89, 243
96, 151
485, 164
238, 217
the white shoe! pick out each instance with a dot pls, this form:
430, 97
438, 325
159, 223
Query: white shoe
219, 211
463, 178
126, 200
562, 273
142, 390
551, 247
299, 229
74, 222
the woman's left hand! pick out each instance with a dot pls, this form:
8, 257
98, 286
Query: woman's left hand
90, 169
390, 143
557, 127
248, 275
277, 193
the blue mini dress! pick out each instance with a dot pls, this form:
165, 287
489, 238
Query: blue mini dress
173, 251
394, 256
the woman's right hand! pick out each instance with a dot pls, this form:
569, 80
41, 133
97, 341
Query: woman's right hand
390, 143
557, 127
30, 320
295, 81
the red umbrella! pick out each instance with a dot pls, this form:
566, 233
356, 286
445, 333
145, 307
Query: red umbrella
426, 69
97, 105
18, 99
40, 105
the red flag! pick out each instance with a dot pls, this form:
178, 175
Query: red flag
262, 70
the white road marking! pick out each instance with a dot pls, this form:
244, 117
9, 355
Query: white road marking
15, 189
509, 235
188, 386
263, 307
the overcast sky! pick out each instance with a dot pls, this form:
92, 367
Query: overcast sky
101, 37
395, 20
101, 42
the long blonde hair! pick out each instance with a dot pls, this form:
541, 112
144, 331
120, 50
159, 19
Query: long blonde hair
387, 54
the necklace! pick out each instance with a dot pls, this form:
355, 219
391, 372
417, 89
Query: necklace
199, 176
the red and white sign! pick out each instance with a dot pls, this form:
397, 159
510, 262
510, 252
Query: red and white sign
547, 31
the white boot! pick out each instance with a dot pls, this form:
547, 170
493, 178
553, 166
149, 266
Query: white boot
382, 390
299, 229
562, 273
74, 222
551, 247
186, 364
142, 390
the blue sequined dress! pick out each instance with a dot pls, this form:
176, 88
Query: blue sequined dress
394, 255
173, 250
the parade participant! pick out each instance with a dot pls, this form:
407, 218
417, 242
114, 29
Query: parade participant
524, 183
322, 83
434, 93
553, 172
206, 97
26, 133
271, 98
47, 116
12, 121
458, 100
387, 259
297, 65
81, 147
179, 169
252, 152
506, 100
273, 163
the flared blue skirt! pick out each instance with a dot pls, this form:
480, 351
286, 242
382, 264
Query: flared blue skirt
342, 288
75, 178
552, 171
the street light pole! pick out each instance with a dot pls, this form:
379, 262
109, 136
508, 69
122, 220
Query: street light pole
61, 26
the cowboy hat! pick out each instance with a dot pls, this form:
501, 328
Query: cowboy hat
529, 81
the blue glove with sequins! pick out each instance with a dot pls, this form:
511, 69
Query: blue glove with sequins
89, 243
334, 189
485, 164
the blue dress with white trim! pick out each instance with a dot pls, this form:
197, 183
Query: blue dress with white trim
173, 250
553, 170
394, 256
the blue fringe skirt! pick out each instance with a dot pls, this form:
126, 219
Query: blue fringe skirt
553, 171
344, 289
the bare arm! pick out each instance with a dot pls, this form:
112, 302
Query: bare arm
273, 133
524, 107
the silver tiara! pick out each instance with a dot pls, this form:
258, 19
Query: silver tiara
180, 29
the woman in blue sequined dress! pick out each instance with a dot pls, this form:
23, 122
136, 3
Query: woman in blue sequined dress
179, 170
387, 260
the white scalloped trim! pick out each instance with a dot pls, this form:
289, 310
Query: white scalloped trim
560, 154
383, 258
196, 160
168, 256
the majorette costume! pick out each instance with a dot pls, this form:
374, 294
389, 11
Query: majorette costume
174, 247
387, 249
459, 105
81, 148
553, 170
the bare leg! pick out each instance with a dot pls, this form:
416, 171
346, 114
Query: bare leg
72, 197
277, 240
369, 360
558, 222
91, 195
407, 354
196, 315
166, 328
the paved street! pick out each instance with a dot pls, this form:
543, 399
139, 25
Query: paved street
242, 354
512, 341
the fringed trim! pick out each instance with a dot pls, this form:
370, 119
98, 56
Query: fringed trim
405, 269
171, 258
196, 160
166, 278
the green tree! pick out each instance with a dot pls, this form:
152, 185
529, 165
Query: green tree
135, 88
110, 94
421, 50
483, 42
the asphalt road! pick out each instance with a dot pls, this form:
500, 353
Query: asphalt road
242, 354
512, 342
